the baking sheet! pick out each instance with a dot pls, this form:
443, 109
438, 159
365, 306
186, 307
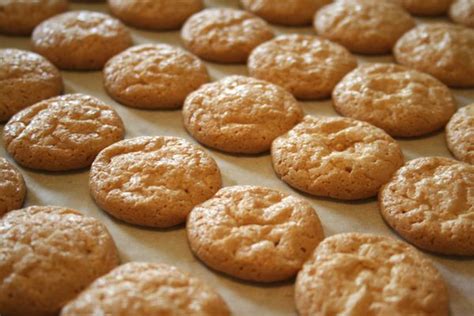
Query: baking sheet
170, 245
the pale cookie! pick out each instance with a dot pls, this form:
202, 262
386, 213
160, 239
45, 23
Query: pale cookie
140, 288
460, 134
49, 255
240, 114
25, 78
80, 40
442, 50
62, 133
153, 181
12, 187
153, 76
21, 17
363, 26
224, 35
402, 101
285, 12
155, 14
462, 12
430, 203
364, 274
425, 7
336, 157
307, 66
254, 233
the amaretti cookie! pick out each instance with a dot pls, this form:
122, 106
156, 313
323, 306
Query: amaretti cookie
462, 12
307, 66
336, 157
429, 202
153, 76
49, 255
460, 134
12, 187
254, 233
364, 274
62, 133
153, 181
425, 7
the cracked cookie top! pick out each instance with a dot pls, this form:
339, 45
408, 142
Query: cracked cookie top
460, 134
12, 187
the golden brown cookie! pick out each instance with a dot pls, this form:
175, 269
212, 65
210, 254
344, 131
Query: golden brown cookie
12, 187
254, 233
224, 35
153, 181
285, 12
364, 274
462, 12
402, 101
80, 40
62, 133
153, 76
49, 255
336, 157
363, 26
25, 78
155, 14
21, 17
460, 134
429, 202
425, 7
307, 66
240, 114
440, 49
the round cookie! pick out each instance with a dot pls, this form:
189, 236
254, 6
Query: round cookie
240, 114
139, 288
429, 202
224, 35
254, 233
12, 187
460, 134
25, 78
363, 26
62, 133
402, 101
365, 274
443, 50
21, 17
155, 14
80, 40
153, 76
153, 181
285, 12
462, 12
49, 255
425, 7
336, 157
307, 66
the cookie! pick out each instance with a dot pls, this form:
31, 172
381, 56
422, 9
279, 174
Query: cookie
402, 101
25, 78
336, 157
285, 12
153, 76
153, 181
425, 7
21, 17
80, 40
460, 134
254, 233
240, 114
307, 66
12, 187
363, 26
224, 35
462, 12
365, 274
139, 288
440, 49
62, 133
49, 255
429, 202
155, 14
